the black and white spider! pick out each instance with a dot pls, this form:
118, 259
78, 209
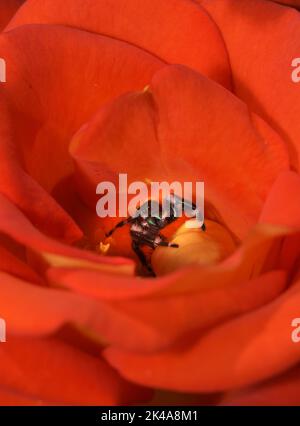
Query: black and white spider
149, 220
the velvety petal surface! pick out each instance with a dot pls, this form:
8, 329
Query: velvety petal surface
7, 10
190, 128
177, 31
196, 365
281, 390
51, 372
262, 39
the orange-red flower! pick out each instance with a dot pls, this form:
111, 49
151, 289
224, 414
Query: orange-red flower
179, 90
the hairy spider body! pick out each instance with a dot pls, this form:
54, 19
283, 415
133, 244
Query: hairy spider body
145, 229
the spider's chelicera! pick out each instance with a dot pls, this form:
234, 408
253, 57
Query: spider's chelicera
150, 219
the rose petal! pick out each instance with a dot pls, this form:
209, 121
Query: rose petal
22, 190
278, 391
186, 290
176, 31
7, 10
82, 67
187, 123
11, 264
283, 208
196, 311
194, 247
249, 261
295, 3
262, 39
253, 347
12, 398
52, 372
56, 253
32, 311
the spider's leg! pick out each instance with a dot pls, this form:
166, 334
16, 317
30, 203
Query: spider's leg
118, 225
141, 255
194, 207
162, 242
167, 244
189, 205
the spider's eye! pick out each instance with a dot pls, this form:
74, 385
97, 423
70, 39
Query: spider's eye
153, 220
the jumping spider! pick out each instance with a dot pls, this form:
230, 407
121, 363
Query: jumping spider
145, 229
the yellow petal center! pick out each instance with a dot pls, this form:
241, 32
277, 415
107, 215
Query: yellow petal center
195, 247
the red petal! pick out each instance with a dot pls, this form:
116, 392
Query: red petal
30, 310
177, 31
262, 39
282, 390
211, 288
295, 3
22, 190
12, 220
82, 74
11, 264
51, 372
240, 352
7, 10
192, 129
283, 208
213, 298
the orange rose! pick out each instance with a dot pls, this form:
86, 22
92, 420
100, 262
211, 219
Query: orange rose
175, 90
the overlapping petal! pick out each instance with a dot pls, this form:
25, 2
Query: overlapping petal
32, 311
20, 188
262, 39
265, 331
139, 115
53, 251
82, 67
192, 130
11, 264
295, 3
7, 10
189, 310
198, 297
52, 372
282, 207
278, 391
196, 365
177, 31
